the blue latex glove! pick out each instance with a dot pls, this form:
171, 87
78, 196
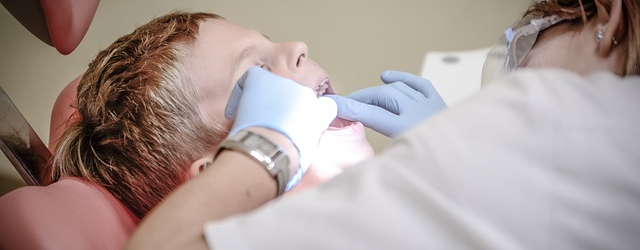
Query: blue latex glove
263, 99
390, 109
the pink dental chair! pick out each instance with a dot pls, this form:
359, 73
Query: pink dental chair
70, 213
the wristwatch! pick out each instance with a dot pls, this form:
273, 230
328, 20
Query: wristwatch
273, 157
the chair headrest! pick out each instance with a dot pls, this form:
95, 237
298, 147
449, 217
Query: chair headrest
68, 214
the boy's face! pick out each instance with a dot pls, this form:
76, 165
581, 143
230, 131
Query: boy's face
224, 51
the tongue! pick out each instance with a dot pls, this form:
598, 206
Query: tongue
340, 123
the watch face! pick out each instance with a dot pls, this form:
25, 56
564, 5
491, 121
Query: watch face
261, 144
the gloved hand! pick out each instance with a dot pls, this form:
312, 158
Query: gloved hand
390, 109
263, 99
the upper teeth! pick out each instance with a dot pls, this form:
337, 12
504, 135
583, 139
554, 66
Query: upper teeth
322, 88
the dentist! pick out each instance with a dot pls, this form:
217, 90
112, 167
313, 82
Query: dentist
544, 158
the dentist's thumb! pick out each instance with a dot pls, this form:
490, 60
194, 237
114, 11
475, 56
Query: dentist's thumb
327, 111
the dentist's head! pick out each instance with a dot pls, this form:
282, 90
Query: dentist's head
583, 36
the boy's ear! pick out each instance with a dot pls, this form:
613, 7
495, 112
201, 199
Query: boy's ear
199, 165
611, 24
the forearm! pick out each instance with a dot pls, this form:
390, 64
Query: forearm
233, 184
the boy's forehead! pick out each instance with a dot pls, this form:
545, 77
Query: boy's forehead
221, 27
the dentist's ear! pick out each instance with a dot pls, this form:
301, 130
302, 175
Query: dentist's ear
200, 165
611, 26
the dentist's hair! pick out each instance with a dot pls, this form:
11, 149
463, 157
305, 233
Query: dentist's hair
139, 120
573, 11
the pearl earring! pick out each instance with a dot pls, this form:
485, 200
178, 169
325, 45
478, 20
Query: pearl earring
600, 36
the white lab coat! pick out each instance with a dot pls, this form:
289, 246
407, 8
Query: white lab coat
541, 160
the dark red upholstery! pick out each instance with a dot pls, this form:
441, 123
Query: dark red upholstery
68, 214
62, 114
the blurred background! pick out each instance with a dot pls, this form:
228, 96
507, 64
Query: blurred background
353, 40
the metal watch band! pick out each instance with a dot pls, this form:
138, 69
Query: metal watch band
264, 151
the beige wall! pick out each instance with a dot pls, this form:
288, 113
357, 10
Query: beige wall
354, 40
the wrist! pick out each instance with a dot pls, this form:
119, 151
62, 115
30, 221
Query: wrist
243, 181
267, 148
284, 142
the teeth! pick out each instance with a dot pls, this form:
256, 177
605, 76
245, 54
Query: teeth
323, 87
